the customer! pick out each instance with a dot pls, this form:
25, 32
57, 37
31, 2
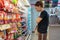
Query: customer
42, 21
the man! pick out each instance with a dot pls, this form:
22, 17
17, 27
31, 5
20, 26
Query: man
42, 21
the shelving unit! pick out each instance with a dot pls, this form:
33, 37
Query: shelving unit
13, 19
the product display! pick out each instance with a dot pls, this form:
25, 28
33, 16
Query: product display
13, 21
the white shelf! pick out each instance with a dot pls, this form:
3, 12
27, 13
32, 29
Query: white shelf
27, 37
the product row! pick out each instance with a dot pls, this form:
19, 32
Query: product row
6, 18
15, 31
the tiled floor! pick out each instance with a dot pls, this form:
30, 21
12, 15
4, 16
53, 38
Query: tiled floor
34, 37
54, 34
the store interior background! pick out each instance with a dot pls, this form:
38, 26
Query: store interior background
54, 19
22, 29
35, 14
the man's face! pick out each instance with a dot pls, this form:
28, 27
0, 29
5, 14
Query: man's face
38, 8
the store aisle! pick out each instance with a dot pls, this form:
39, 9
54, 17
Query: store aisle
35, 37
54, 33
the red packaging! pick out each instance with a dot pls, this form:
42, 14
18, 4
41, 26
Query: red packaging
1, 4
8, 5
13, 17
9, 18
17, 17
1, 17
5, 18
10, 36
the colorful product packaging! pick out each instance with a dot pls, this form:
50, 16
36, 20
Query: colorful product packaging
2, 35
9, 18
5, 18
17, 17
1, 4
10, 36
8, 6
13, 17
1, 17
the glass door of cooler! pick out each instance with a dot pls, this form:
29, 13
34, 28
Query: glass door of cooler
34, 15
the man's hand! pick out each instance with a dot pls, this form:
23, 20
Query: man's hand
35, 31
38, 19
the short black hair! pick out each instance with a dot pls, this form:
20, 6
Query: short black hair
39, 3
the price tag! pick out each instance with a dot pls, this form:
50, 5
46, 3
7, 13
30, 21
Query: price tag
6, 26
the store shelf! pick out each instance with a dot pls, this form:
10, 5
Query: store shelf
28, 37
10, 15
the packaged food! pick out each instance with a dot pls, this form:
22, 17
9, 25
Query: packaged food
17, 17
5, 18
13, 17
19, 24
9, 18
14, 1
2, 34
15, 10
1, 17
10, 36
1, 4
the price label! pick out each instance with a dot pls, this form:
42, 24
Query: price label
6, 26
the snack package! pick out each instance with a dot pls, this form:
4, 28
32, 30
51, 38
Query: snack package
10, 36
14, 1
1, 17
13, 17
14, 28
9, 30
1, 4
5, 18
15, 10
19, 24
2, 35
9, 18
20, 38
8, 5
17, 17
